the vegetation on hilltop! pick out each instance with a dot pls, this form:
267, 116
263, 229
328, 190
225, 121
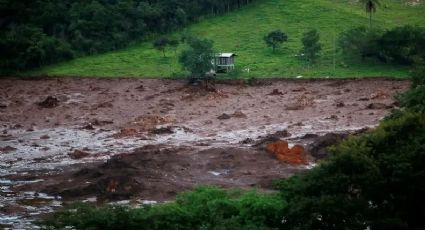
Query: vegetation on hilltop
242, 32
35, 33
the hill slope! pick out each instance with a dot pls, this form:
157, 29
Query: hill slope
242, 32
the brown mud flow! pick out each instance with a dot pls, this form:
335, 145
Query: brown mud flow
68, 139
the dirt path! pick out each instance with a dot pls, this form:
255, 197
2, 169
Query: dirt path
56, 134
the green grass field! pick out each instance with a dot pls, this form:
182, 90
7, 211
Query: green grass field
242, 32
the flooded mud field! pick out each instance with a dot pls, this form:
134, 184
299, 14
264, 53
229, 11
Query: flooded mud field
142, 141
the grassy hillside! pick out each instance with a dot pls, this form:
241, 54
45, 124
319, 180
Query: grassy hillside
242, 32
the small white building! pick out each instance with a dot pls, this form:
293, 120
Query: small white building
224, 62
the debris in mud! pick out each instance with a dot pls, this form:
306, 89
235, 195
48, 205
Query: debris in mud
239, 114
270, 138
300, 89
294, 155
97, 122
106, 104
300, 103
380, 95
332, 117
89, 126
126, 132
224, 116
309, 136
318, 149
163, 130
275, 92
12, 209
149, 122
247, 141
7, 149
78, 154
45, 137
140, 88
339, 104
3, 105
378, 106
49, 102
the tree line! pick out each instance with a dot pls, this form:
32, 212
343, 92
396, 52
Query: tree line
34, 33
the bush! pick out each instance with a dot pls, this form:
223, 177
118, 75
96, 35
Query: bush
401, 45
360, 42
418, 75
203, 208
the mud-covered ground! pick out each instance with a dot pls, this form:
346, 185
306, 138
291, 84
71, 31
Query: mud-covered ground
57, 134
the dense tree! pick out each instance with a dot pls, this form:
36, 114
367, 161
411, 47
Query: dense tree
401, 45
275, 38
311, 46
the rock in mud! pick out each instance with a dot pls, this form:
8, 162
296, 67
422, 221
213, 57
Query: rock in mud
294, 155
275, 92
49, 102
140, 88
45, 137
126, 132
318, 149
12, 209
270, 138
78, 154
7, 149
88, 127
98, 122
224, 116
163, 130
378, 106
239, 114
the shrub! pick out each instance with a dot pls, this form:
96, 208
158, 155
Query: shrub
360, 42
202, 208
275, 38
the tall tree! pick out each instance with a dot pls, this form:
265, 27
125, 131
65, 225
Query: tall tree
370, 7
197, 59
311, 46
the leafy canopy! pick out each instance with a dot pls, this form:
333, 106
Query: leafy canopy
275, 38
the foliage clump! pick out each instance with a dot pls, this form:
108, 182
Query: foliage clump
401, 45
275, 39
311, 46
203, 208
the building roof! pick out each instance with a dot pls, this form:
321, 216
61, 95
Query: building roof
226, 54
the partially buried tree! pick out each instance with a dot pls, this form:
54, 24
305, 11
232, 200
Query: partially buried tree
198, 59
